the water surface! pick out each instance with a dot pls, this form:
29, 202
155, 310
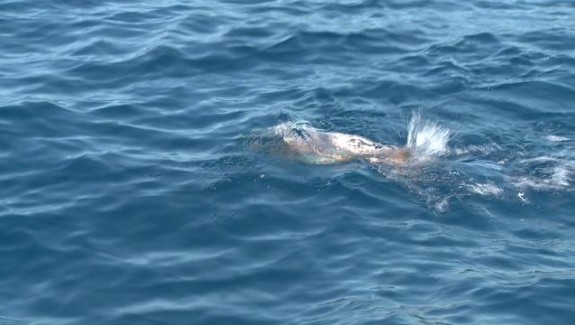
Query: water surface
129, 195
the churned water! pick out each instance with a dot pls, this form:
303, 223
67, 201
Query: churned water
132, 192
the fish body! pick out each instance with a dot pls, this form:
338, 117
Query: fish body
316, 146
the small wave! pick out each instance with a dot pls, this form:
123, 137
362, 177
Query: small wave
556, 138
562, 175
475, 149
549, 173
485, 189
559, 179
10, 321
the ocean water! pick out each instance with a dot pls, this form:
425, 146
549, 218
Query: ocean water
131, 191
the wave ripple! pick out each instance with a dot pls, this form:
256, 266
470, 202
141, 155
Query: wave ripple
128, 195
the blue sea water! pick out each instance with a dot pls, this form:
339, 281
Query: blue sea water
130, 193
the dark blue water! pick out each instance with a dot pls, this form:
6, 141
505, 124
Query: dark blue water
129, 196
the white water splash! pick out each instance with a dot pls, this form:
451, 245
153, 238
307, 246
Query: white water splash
485, 189
556, 178
426, 139
556, 138
476, 149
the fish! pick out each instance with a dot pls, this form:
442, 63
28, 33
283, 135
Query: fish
309, 144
